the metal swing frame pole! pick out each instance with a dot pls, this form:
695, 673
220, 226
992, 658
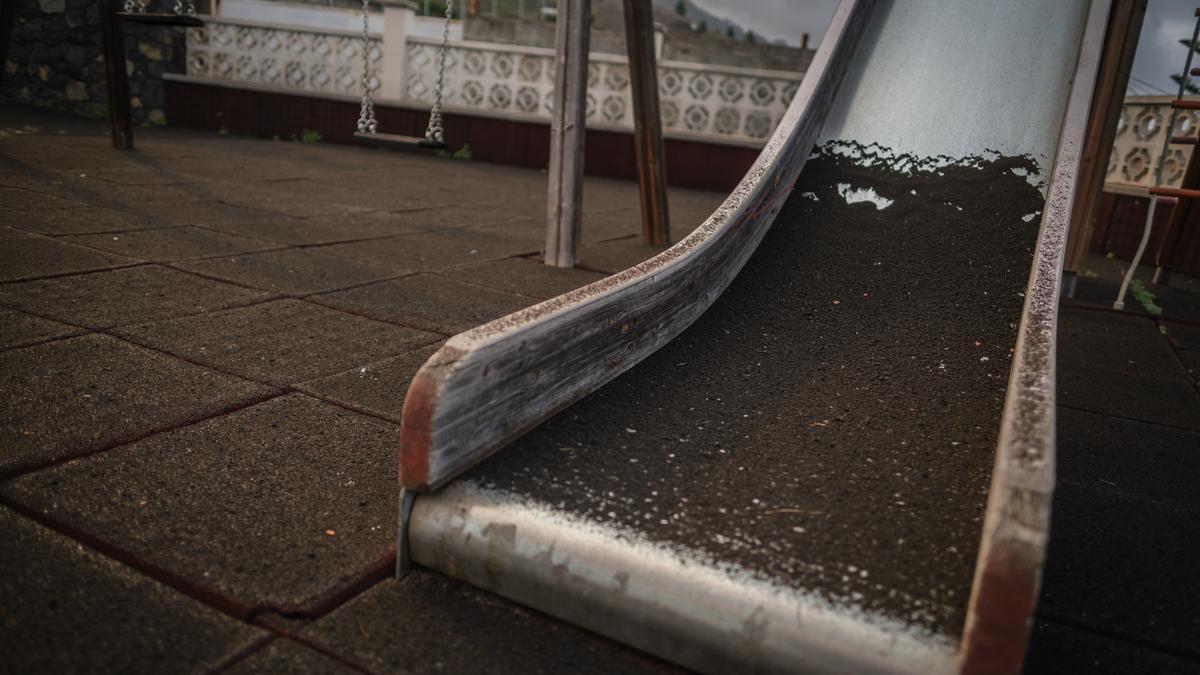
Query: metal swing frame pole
647, 122
116, 79
567, 131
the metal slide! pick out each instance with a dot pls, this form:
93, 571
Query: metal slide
762, 494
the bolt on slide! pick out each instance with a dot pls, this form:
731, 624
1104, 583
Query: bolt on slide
830, 447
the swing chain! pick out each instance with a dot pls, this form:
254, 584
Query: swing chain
366, 113
434, 132
135, 6
188, 7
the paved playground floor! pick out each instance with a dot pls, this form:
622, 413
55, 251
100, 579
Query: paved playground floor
204, 345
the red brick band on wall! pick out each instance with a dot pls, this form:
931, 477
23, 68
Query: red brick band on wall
608, 153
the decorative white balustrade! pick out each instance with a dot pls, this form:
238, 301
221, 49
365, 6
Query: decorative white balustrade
295, 58
733, 104
1141, 131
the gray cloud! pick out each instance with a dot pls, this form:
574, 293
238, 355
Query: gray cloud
783, 20
1159, 54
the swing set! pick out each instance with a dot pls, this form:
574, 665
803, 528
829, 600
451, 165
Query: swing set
568, 115
367, 131
568, 121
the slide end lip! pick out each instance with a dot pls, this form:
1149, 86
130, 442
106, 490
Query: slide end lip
416, 432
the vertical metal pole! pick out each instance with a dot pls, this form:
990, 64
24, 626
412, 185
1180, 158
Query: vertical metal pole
1116, 60
1119, 303
7, 10
568, 126
647, 122
115, 76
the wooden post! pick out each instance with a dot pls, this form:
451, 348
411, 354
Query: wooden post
115, 76
647, 122
567, 130
1120, 43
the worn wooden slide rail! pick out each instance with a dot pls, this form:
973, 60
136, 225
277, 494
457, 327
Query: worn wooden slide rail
489, 385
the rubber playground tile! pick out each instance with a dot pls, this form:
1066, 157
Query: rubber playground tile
1128, 457
427, 251
75, 220
429, 302
1139, 350
68, 609
288, 656
298, 271
137, 198
1170, 302
70, 397
169, 244
34, 257
1078, 321
610, 224
513, 238
1124, 565
306, 197
1055, 649
299, 197
529, 232
614, 256
1191, 363
286, 229
451, 627
443, 217
1183, 335
1173, 402
376, 388
17, 198
526, 277
18, 329
286, 505
124, 296
280, 342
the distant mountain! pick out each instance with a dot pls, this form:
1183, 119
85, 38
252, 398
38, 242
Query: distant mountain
695, 14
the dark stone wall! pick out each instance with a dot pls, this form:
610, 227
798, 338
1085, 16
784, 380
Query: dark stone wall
54, 59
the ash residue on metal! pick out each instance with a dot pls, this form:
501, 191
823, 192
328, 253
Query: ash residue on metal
830, 422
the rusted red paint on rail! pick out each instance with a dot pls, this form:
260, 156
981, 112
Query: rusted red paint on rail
416, 429
1004, 606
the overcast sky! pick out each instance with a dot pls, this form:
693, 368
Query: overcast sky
776, 19
1159, 53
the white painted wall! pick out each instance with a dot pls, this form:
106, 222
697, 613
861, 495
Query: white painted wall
956, 77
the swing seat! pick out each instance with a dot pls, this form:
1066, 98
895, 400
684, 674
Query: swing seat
398, 141
161, 19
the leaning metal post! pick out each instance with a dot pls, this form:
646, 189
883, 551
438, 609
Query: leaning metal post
647, 122
116, 79
567, 130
